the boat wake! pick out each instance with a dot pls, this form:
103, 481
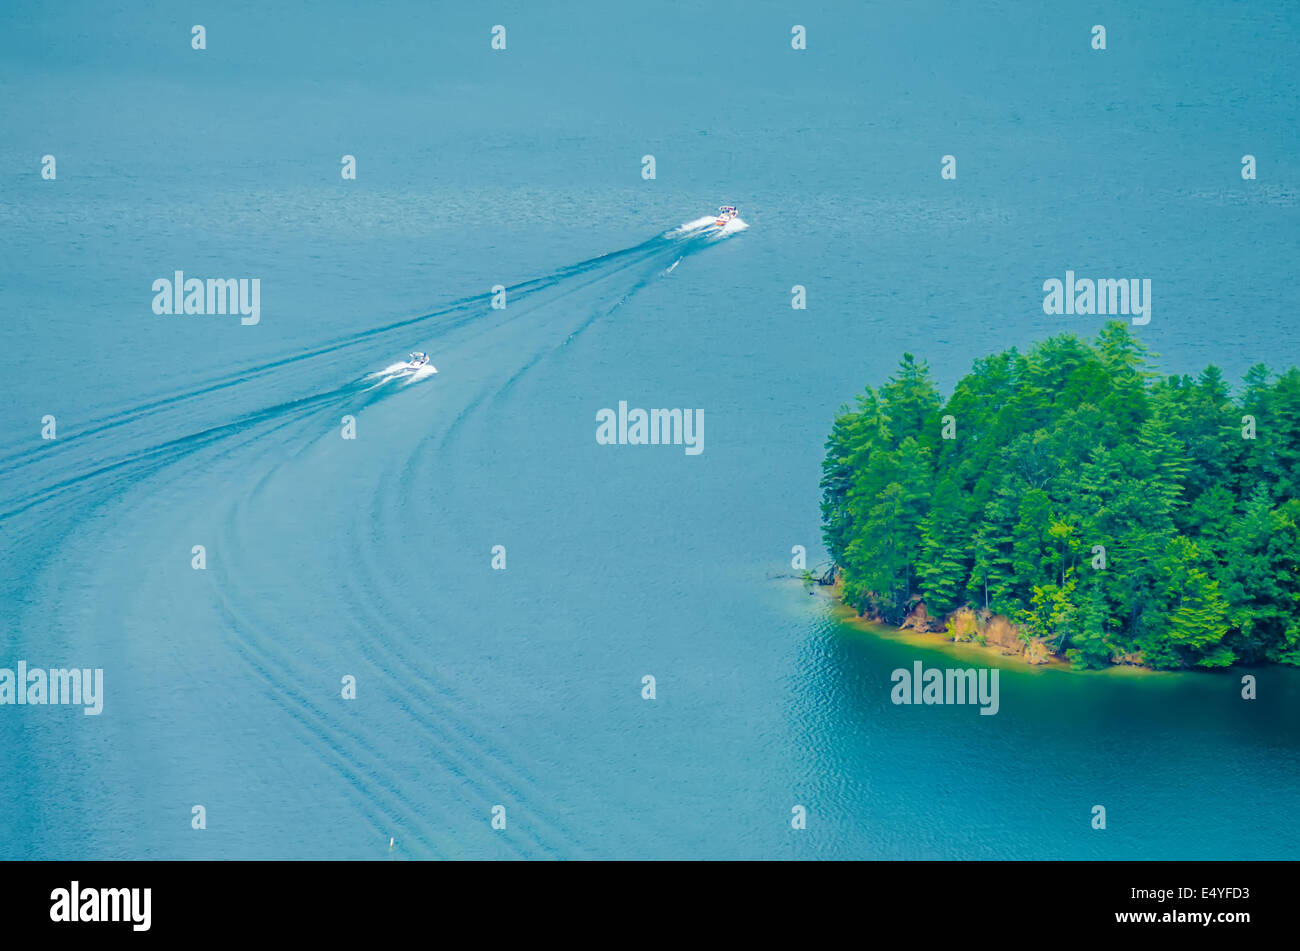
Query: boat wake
708, 227
129, 442
402, 373
295, 470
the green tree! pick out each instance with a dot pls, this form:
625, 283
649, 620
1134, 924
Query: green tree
1064, 451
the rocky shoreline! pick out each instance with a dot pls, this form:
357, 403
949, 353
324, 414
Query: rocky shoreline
983, 628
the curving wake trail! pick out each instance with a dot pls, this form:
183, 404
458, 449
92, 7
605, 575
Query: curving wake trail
324, 556
122, 438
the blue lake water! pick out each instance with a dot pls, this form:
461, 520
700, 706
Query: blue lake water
372, 557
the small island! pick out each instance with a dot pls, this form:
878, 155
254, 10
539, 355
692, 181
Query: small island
1072, 502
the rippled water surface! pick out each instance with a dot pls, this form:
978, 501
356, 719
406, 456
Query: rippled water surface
371, 557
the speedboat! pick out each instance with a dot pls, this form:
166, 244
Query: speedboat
411, 370
725, 214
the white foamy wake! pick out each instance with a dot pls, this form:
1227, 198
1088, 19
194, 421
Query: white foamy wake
403, 372
697, 224
708, 224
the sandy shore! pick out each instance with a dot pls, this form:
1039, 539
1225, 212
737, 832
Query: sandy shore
968, 650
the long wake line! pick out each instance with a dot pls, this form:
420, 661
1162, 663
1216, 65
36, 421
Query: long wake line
83, 469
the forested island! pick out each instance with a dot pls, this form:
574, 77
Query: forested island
1100, 510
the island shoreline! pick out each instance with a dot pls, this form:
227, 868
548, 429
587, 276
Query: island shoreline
846, 615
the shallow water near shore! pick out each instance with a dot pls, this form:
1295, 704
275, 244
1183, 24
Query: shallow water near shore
1183, 765
371, 557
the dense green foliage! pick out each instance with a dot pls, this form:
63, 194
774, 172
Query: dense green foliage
1056, 451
